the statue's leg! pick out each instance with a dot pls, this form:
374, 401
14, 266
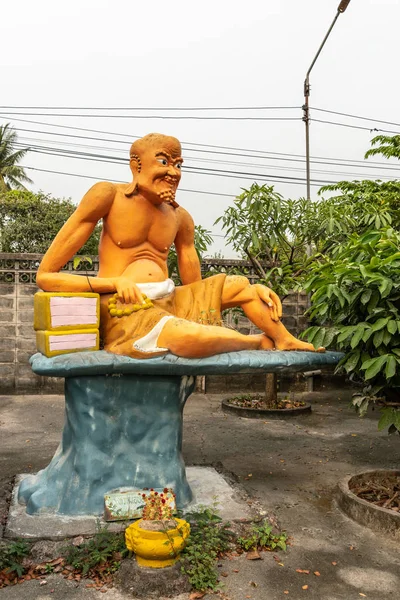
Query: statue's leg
238, 291
192, 340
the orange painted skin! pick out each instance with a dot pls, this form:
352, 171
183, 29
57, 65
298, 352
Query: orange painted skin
141, 221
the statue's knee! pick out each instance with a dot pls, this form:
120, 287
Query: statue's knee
238, 282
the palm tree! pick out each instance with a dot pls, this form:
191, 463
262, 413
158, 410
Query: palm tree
11, 175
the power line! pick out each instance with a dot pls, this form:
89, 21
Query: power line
166, 108
216, 161
317, 184
117, 181
123, 160
172, 117
241, 150
354, 126
197, 170
136, 137
334, 112
270, 155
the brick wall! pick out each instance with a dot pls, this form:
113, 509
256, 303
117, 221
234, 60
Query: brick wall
17, 337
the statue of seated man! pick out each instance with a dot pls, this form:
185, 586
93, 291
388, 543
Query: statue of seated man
142, 313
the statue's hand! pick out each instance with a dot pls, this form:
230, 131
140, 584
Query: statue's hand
127, 291
271, 299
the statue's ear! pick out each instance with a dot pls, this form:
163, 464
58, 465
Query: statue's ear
136, 167
131, 189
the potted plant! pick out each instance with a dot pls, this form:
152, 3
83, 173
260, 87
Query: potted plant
158, 538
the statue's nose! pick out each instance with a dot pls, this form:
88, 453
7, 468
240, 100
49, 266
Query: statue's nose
173, 171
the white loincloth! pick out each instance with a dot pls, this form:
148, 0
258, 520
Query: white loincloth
157, 289
154, 291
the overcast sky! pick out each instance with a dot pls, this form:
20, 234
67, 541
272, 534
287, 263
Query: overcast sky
214, 53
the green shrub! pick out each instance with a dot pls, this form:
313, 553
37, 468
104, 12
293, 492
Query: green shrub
356, 303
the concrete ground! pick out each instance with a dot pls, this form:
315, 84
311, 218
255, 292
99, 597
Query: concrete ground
290, 468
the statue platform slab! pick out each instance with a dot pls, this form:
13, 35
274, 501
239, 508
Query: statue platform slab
245, 361
123, 423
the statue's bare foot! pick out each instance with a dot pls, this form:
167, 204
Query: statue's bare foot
265, 342
292, 343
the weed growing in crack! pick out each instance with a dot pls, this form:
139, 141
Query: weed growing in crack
209, 538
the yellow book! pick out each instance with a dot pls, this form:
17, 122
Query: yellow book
63, 311
52, 343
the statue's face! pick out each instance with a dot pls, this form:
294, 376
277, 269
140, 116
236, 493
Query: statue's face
160, 172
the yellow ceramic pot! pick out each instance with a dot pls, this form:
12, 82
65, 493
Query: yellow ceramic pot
157, 549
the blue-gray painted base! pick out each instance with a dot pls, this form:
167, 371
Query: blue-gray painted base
120, 431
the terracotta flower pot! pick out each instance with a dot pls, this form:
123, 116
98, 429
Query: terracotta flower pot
157, 549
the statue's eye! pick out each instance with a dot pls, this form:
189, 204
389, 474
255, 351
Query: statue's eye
178, 165
163, 161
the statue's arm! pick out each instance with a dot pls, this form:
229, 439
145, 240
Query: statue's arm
71, 237
188, 260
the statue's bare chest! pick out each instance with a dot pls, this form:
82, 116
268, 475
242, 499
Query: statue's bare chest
132, 222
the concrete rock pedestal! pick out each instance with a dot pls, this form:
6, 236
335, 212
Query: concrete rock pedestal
123, 423
119, 431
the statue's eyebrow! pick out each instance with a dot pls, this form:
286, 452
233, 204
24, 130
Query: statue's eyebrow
180, 159
165, 154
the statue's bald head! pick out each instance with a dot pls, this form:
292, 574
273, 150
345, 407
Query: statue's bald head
145, 155
141, 146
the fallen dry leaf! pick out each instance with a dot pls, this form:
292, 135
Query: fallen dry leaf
305, 571
304, 587
363, 595
253, 584
334, 563
196, 595
317, 574
224, 574
43, 582
253, 555
281, 564
235, 570
285, 591
78, 540
351, 547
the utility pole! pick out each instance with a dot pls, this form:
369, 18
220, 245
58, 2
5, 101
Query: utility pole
306, 110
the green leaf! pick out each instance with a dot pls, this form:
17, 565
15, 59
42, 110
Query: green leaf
367, 334
385, 288
329, 337
391, 327
365, 296
358, 334
388, 418
375, 366
255, 240
380, 323
391, 366
345, 333
371, 237
373, 301
310, 333
352, 361
378, 338
319, 338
